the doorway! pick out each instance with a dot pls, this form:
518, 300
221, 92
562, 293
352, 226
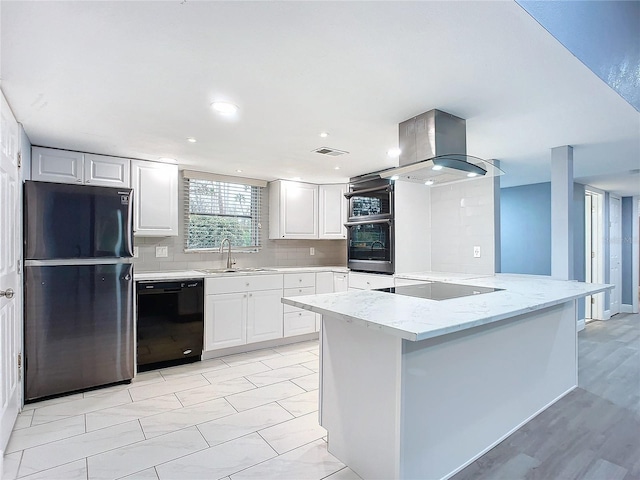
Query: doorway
615, 253
594, 251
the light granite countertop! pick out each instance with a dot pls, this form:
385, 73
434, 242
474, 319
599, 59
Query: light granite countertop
415, 319
190, 274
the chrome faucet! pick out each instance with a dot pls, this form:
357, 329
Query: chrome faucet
226, 239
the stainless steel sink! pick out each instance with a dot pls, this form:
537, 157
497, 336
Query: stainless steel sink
236, 270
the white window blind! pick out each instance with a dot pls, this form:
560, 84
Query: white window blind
218, 207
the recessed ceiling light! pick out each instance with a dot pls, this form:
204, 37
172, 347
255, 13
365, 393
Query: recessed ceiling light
436, 167
224, 108
395, 177
394, 152
238, 171
191, 140
324, 134
472, 174
336, 168
429, 182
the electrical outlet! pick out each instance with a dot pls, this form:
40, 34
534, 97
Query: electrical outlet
136, 253
476, 251
312, 251
162, 252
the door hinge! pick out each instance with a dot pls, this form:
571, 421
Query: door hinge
593, 254
19, 266
593, 301
19, 159
19, 361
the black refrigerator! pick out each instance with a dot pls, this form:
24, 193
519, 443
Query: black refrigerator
78, 288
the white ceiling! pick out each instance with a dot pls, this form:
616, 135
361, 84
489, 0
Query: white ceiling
136, 79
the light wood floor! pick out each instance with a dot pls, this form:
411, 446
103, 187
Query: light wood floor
591, 434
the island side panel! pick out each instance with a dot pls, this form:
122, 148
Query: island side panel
465, 392
360, 393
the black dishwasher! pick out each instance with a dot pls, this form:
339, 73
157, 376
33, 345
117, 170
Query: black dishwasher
170, 326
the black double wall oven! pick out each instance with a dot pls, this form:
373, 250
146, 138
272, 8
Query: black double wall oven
370, 229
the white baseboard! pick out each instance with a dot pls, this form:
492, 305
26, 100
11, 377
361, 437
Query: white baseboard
607, 315
625, 308
581, 324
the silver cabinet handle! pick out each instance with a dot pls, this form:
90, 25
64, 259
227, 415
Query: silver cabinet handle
9, 293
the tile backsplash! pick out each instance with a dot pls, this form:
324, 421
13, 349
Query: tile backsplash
273, 253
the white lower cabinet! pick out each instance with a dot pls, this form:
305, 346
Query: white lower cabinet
369, 281
264, 315
241, 310
299, 323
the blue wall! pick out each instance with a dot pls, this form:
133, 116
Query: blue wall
525, 229
627, 277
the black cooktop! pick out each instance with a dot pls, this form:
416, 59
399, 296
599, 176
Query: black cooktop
438, 290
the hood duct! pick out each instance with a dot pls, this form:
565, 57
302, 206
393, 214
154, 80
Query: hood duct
434, 151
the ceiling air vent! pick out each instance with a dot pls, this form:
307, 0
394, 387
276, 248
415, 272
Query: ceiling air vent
332, 152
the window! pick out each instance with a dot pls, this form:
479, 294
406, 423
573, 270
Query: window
218, 207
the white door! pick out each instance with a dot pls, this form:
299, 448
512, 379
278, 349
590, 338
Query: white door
10, 286
615, 251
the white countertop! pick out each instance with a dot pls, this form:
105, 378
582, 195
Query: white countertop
188, 274
417, 319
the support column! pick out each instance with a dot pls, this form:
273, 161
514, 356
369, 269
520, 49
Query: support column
562, 212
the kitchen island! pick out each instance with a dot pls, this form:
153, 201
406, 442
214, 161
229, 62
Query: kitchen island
416, 388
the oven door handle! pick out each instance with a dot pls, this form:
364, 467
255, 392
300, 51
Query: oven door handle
368, 222
386, 188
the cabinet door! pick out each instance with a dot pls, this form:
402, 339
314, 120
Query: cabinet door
107, 171
225, 320
299, 210
368, 281
155, 188
299, 323
52, 165
340, 282
333, 212
264, 315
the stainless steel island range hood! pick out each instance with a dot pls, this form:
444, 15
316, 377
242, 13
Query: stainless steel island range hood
434, 151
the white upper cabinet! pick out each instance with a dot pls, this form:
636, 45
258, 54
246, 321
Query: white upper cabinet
63, 166
293, 210
106, 171
155, 190
333, 211
306, 211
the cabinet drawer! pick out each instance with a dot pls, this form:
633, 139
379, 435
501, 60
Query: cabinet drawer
242, 283
368, 281
292, 280
299, 323
295, 292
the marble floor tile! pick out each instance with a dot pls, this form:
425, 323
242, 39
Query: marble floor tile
309, 462
193, 368
236, 371
293, 433
52, 401
278, 375
219, 461
24, 419
297, 347
263, 395
216, 390
131, 411
286, 360
79, 406
345, 474
146, 474
301, 404
243, 423
45, 433
58, 453
142, 455
10, 465
249, 357
69, 471
180, 418
140, 379
312, 365
309, 382
168, 386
